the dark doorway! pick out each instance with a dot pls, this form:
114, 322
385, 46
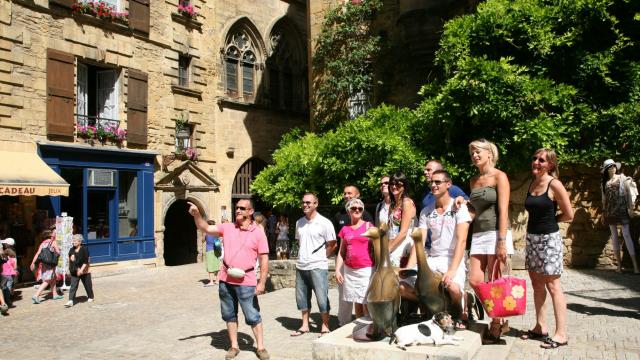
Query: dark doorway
180, 242
242, 184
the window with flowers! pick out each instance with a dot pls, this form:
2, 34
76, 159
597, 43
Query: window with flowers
186, 9
103, 9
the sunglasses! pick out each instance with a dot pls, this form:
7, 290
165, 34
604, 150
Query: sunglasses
356, 209
437, 182
384, 183
307, 202
539, 159
242, 208
396, 184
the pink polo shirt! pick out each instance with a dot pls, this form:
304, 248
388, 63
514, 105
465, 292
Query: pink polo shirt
241, 250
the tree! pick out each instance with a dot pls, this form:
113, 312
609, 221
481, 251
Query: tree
522, 73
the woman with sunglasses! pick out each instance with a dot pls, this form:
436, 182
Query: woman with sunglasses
354, 255
544, 245
491, 240
401, 220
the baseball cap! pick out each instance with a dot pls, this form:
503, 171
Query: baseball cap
8, 241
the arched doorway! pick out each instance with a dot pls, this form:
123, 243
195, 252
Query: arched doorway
242, 182
180, 235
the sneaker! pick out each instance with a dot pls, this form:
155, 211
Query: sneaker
58, 297
4, 309
263, 354
90, 300
35, 299
231, 353
69, 303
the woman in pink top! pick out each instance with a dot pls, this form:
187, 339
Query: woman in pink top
47, 272
355, 256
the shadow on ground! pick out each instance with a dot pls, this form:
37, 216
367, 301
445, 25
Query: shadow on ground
315, 322
220, 340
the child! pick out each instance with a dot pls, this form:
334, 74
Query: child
9, 273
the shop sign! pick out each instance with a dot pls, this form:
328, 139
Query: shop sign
17, 190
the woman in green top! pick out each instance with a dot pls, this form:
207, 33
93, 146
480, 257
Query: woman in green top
491, 240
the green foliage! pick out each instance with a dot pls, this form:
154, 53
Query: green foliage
357, 152
342, 60
522, 73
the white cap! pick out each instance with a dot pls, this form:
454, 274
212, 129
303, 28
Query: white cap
8, 241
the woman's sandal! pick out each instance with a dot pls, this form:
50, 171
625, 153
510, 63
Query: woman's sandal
489, 337
460, 324
549, 343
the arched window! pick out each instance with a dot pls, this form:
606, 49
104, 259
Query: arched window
287, 68
240, 66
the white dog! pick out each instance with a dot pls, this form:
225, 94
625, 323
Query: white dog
435, 331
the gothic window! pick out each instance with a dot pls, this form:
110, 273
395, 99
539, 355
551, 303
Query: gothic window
287, 74
240, 66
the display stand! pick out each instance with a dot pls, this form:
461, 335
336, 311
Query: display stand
64, 233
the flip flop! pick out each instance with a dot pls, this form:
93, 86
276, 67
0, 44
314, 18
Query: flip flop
323, 333
552, 344
532, 335
298, 332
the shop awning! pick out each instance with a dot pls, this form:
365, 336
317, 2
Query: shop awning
24, 173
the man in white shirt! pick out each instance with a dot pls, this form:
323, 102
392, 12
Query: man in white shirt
449, 230
317, 240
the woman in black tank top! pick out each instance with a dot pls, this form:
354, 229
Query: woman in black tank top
544, 256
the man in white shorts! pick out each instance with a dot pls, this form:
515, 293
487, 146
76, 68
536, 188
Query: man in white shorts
449, 230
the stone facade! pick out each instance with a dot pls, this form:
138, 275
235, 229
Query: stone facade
227, 130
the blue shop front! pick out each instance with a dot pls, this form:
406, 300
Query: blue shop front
110, 198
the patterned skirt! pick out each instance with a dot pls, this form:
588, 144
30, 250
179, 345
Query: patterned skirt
544, 253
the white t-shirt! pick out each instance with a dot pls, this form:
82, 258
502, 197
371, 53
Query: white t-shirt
443, 227
312, 235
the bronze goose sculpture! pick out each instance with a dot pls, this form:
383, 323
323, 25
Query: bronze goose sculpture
429, 287
383, 296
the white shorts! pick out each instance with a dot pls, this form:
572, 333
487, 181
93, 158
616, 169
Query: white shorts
441, 265
484, 243
402, 251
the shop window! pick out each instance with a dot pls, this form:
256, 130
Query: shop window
128, 205
97, 97
98, 214
184, 69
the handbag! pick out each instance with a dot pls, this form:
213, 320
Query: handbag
48, 256
503, 296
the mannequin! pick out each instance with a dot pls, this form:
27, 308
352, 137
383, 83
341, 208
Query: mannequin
614, 189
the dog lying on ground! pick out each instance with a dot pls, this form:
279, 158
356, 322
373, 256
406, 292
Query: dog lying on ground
439, 331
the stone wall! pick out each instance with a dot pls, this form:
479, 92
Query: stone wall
586, 238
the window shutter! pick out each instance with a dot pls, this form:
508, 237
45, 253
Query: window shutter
137, 108
82, 91
139, 15
60, 87
107, 95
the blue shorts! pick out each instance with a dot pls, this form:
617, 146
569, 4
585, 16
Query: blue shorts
316, 280
231, 295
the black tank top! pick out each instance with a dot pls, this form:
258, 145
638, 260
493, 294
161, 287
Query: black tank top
542, 213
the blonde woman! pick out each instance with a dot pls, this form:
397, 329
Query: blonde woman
544, 245
491, 240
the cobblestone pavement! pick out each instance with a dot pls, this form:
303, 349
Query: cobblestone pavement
166, 313
603, 318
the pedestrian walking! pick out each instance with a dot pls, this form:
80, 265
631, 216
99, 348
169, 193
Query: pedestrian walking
213, 256
47, 273
244, 243
79, 269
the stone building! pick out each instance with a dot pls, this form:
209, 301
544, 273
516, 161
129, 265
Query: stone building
204, 90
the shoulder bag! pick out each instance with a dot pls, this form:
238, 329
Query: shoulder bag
47, 256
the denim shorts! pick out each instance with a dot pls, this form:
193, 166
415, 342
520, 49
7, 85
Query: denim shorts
231, 295
316, 280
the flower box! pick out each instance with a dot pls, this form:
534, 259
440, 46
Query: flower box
102, 134
99, 10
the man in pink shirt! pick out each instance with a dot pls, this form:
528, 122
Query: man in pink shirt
243, 243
